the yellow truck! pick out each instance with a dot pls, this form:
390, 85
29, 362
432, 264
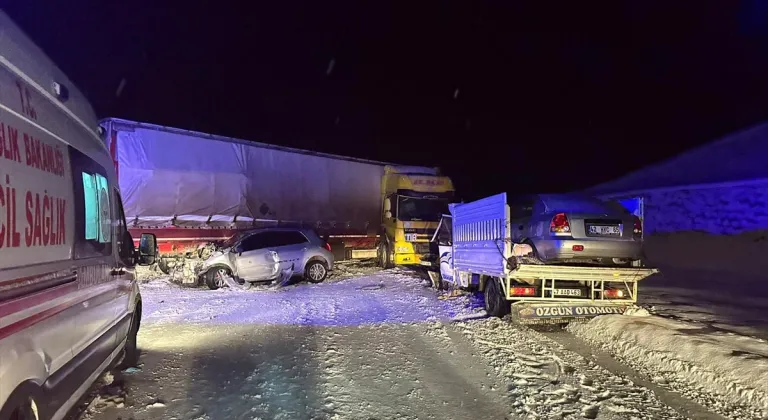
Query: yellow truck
413, 200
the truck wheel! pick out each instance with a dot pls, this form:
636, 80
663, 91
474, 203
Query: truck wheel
315, 272
385, 256
495, 303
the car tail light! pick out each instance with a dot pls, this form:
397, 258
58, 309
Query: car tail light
613, 294
638, 226
328, 246
522, 291
560, 224
578, 248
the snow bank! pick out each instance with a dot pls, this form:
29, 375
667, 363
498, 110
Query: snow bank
729, 368
741, 256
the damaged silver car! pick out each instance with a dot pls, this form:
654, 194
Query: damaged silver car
261, 255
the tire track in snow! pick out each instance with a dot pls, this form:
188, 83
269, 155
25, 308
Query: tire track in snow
544, 379
574, 344
401, 371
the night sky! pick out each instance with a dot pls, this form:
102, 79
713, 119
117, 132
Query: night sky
502, 96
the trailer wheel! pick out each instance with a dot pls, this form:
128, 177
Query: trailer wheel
495, 303
162, 264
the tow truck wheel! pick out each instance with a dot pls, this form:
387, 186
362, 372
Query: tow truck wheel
495, 304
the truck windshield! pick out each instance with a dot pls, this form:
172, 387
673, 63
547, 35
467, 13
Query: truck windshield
420, 209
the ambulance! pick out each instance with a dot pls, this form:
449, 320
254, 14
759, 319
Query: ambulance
70, 306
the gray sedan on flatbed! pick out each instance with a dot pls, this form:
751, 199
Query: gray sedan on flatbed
572, 228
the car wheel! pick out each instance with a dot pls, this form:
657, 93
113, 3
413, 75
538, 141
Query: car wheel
131, 351
495, 304
216, 278
316, 272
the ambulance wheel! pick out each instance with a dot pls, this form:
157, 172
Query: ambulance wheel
131, 351
495, 303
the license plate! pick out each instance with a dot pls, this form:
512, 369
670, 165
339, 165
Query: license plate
567, 292
604, 230
410, 237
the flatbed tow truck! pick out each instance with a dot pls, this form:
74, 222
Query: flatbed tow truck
476, 253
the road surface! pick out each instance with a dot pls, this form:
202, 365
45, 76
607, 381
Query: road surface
375, 346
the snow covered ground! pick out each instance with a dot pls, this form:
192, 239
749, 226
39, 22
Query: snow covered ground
376, 346
715, 301
717, 281
723, 371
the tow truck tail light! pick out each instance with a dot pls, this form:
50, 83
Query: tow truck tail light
522, 291
328, 246
638, 226
560, 224
614, 294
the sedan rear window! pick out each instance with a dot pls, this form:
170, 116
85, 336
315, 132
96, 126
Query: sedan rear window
577, 204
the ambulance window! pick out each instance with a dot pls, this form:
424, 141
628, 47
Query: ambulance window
93, 214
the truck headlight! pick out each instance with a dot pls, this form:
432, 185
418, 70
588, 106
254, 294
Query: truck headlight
404, 249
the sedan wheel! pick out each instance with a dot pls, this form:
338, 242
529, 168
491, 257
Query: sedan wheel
316, 272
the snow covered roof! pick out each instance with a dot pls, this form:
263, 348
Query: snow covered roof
737, 157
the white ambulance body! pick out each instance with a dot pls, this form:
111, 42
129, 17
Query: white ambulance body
69, 303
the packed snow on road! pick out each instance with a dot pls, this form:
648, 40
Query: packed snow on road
366, 344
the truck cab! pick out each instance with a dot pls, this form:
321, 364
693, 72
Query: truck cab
413, 200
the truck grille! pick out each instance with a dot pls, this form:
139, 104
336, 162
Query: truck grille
420, 247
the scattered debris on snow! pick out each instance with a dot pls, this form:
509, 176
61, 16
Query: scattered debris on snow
724, 372
347, 269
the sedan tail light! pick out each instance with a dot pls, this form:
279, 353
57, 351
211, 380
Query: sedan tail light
638, 226
560, 224
328, 246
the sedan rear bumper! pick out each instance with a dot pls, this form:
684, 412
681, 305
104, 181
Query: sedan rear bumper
565, 249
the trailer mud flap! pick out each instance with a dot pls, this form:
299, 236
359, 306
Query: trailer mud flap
560, 313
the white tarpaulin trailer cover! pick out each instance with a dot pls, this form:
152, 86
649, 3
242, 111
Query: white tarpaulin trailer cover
170, 176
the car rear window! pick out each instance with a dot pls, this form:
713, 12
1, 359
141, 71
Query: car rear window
577, 204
